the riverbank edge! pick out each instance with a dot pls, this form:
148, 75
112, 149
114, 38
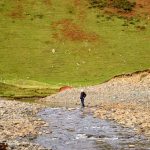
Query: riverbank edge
20, 125
127, 114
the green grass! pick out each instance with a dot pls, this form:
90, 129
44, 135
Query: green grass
19, 92
26, 46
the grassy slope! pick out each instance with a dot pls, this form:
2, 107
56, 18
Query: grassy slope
26, 45
11, 91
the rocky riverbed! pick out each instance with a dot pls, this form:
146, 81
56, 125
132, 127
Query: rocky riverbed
19, 125
129, 114
125, 99
22, 129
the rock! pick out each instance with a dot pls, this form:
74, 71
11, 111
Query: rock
40, 133
89, 135
131, 146
70, 109
25, 144
71, 130
3, 146
46, 125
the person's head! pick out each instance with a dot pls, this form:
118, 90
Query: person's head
82, 90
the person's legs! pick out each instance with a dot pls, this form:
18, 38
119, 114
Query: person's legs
82, 101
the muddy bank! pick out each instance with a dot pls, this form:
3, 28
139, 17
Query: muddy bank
19, 124
127, 95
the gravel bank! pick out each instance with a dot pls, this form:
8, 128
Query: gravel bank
128, 114
125, 97
19, 124
134, 87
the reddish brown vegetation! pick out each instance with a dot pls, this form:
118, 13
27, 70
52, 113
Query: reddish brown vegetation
142, 8
119, 12
65, 88
72, 31
81, 9
17, 13
81, 15
47, 2
77, 2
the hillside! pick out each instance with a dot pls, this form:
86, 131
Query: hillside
72, 42
20, 92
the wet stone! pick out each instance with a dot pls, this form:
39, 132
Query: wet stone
89, 135
31, 138
101, 136
71, 130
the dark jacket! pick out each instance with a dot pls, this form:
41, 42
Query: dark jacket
82, 95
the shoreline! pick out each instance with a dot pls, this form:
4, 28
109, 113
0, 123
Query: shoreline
127, 114
19, 124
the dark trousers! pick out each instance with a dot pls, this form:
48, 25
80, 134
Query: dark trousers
82, 102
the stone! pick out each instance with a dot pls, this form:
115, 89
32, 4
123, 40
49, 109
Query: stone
71, 130
131, 146
3, 146
70, 109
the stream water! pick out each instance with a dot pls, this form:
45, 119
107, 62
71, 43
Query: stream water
77, 129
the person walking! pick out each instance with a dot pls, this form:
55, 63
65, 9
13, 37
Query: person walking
82, 97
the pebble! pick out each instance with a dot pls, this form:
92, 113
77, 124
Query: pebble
131, 146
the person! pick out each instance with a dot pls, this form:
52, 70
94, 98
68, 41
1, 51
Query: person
82, 97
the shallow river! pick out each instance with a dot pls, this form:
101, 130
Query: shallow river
79, 130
